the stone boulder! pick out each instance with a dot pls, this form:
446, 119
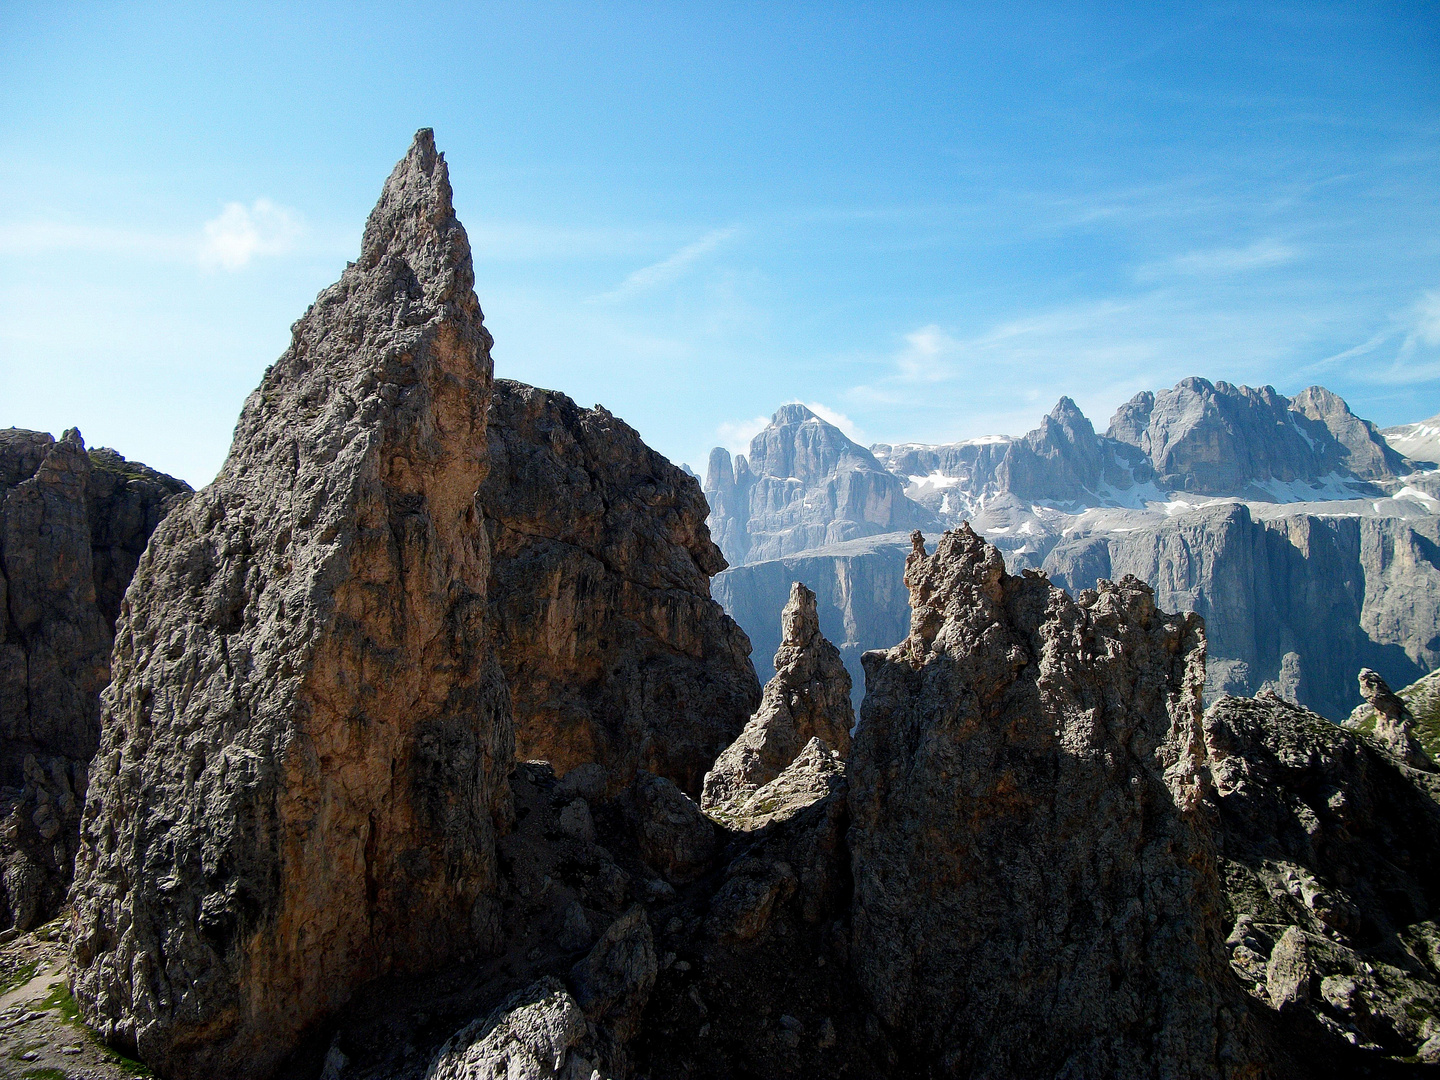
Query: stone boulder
809, 698
1033, 892
614, 651
307, 737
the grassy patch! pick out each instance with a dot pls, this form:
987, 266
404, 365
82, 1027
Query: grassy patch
62, 1001
19, 977
43, 1074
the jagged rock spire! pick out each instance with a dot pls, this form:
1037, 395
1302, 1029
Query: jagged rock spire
1393, 720
808, 699
1031, 887
307, 727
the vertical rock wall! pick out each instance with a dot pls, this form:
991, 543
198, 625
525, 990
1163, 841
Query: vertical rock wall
307, 736
613, 649
1032, 895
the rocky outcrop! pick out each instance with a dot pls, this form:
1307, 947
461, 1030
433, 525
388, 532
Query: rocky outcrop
808, 699
803, 485
1034, 895
306, 742
1332, 884
602, 618
72, 524
1393, 722
1422, 700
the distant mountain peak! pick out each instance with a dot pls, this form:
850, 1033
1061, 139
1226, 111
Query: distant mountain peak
793, 413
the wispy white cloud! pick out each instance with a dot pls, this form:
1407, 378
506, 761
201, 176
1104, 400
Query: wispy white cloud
230, 240
839, 419
1261, 255
242, 232
735, 435
1403, 353
669, 269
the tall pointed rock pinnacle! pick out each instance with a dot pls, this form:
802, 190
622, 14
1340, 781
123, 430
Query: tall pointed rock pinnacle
305, 745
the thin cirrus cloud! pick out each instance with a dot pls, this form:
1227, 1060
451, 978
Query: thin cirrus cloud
1403, 353
230, 241
669, 269
1261, 255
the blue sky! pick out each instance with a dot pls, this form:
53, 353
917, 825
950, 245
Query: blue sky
929, 220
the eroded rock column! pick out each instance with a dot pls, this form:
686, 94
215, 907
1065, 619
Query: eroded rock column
808, 699
305, 743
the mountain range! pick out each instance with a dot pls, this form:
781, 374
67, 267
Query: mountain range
1305, 536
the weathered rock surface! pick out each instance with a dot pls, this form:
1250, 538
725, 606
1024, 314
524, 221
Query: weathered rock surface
307, 738
600, 596
72, 525
1033, 893
1332, 882
1422, 699
1393, 721
537, 1033
809, 698
803, 485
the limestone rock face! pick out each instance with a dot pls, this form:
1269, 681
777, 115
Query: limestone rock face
613, 649
1033, 895
803, 485
307, 737
809, 698
1294, 603
1333, 887
72, 525
538, 1033
1215, 438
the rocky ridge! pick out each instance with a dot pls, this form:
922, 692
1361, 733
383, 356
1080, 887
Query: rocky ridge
1022, 755
1239, 504
72, 526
